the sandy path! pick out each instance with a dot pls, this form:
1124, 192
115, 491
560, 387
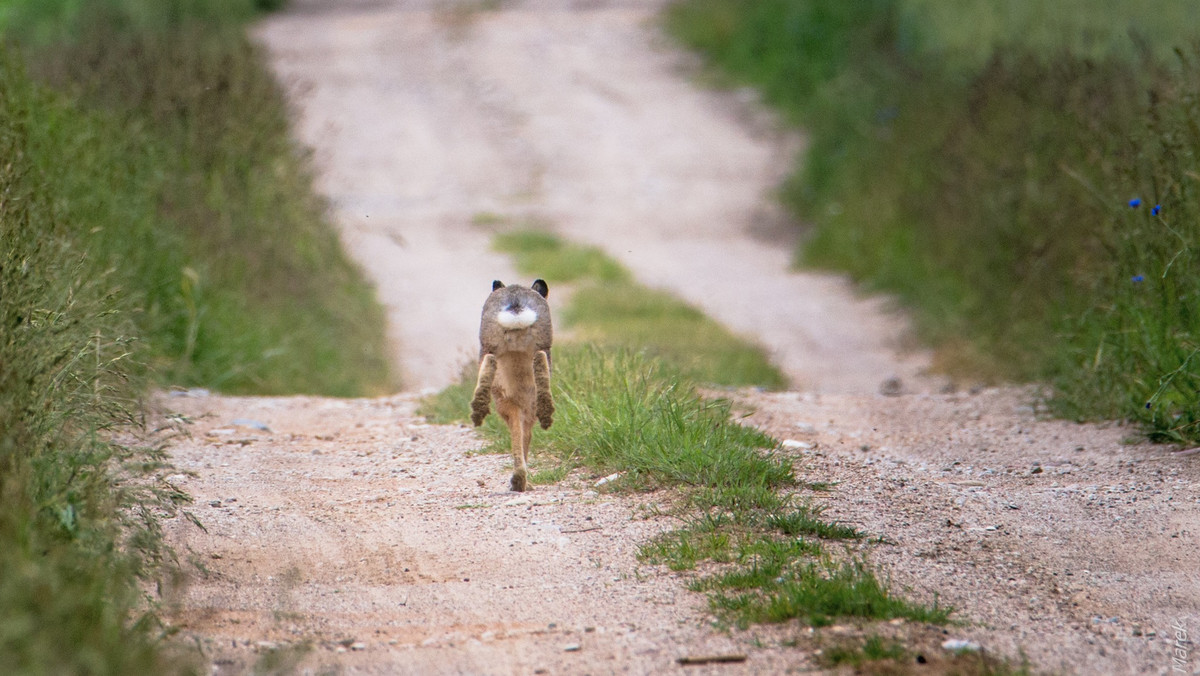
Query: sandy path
575, 115
350, 536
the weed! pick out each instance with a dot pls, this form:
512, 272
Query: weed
775, 587
683, 549
804, 520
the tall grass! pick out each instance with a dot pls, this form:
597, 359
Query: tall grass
78, 512
977, 160
156, 226
199, 196
1136, 352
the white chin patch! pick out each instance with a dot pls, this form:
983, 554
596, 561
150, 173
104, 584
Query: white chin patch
516, 320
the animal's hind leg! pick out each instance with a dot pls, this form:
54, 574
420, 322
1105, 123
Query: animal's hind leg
541, 379
520, 432
483, 389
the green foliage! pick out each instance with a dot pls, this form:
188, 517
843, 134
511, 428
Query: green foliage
609, 308
635, 317
623, 411
976, 159
619, 411
185, 184
971, 30
805, 521
776, 587
77, 511
1136, 352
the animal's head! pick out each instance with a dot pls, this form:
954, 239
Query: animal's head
518, 307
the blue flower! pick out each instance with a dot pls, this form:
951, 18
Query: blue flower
1137, 278
1135, 203
1157, 208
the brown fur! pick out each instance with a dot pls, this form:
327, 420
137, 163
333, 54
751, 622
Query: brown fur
514, 369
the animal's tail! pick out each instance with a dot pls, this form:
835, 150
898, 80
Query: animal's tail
517, 318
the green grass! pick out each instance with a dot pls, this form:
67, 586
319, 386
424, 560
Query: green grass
807, 521
775, 588
548, 256
184, 177
79, 530
609, 308
976, 159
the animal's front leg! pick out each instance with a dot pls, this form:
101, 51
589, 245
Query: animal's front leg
541, 379
480, 402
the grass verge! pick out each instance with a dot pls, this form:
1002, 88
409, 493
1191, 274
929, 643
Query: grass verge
1020, 174
79, 529
169, 153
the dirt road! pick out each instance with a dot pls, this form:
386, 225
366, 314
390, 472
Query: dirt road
350, 536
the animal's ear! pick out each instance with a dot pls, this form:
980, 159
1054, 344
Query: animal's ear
539, 285
497, 284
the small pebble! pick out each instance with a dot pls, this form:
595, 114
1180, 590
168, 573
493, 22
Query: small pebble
892, 387
252, 424
958, 645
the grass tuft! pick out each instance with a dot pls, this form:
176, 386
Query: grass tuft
804, 521
776, 588
873, 649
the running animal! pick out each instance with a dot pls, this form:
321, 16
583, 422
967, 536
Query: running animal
514, 366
